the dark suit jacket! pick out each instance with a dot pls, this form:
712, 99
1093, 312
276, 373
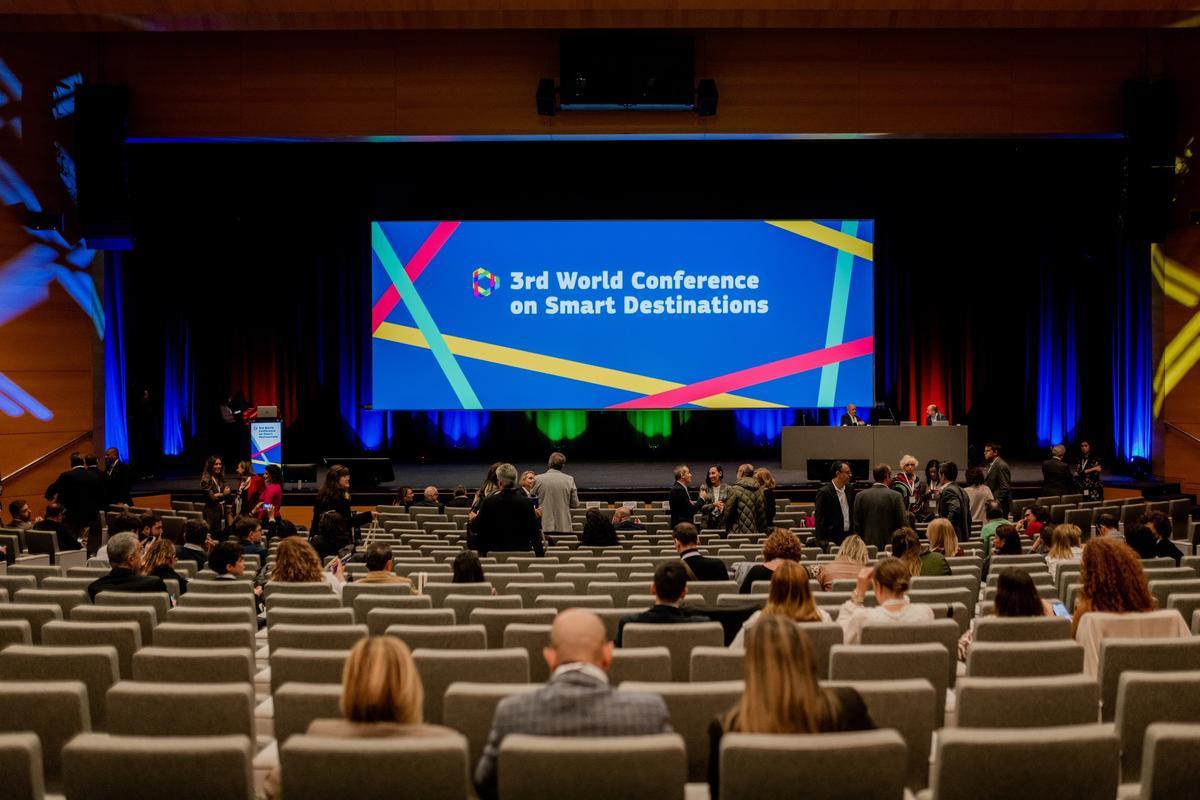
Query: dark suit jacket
186, 553
459, 502
704, 567
878, 513
938, 417
81, 493
119, 484
507, 522
829, 522
682, 508
1057, 478
658, 615
66, 541
954, 505
166, 572
124, 580
998, 478
630, 525
847, 421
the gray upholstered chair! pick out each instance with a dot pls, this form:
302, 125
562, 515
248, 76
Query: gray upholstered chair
145, 617
15, 631
308, 602
529, 591
593, 768
221, 587
316, 637
352, 591
306, 666
363, 604
495, 620
647, 664
1021, 629
1163, 590
721, 663
198, 600
1144, 698
188, 634
463, 604
380, 619
191, 665
97, 667
827, 765
469, 708
432, 767
679, 639
295, 705
1024, 659
126, 637
909, 707
692, 708
533, 639
438, 592
35, 614
889, 662
559, 602
1169, 764
942, 631
56, 711
319, 588
1027, 702
1150, 655
159, 601
619, 591
136, 708
21, 766
440, 668
309, 616
441, 637
98, 767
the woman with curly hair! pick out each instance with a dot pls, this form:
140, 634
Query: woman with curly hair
159, 561
781, 546
297, 562
1112, 580
789, 597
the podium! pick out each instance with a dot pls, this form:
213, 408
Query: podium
873, 443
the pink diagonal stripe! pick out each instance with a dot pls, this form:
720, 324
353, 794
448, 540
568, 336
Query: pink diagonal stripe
415, 266
752, 376
264, 451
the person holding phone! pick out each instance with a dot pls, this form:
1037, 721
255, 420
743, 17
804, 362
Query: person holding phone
267, 509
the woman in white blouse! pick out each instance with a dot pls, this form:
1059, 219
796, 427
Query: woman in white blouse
890, 580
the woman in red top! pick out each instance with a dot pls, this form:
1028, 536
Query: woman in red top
249, 490
272, 495
1032, 521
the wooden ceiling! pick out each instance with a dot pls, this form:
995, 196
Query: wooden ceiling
236, 15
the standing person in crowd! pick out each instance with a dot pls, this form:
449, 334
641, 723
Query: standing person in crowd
669, 590
998, 477
1111, 579
459, 499
780, 547
76, 493
556, 494
717, 490
767, 481
159, 562
597, 530
1087, 472
978, 495
832, 507
687, 544
952, 501
789, 596
933, 483
908, 484
623, 520
1159, 524
907, 548
217, 494
932, 415
745, 509
334, 495
1057, 479
489, 486
993, 515
197, 541
53, 521
852, 556
578, 700
783, 694
526, 481
506, 520
249, 488
267, 509
878, 510
126, 562
890, 580
382, 698
683, 507
118, 479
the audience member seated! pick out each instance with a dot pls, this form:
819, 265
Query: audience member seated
669, 589
460, 498
1065, 547
227, 560
1008, 543
789, 597
248, 533
577, 700
467, 568
1016, 596
332, 536
744, 509
1142, 541
159, 560
782, 545
851, 558
1044, 540
1159, 524
994, 514
53, 521
1111, 579
297, 562
118, 523
150, 530
379, 566
21, 515
597, 530
429, 499
687, 544
1108, 527
506, 520
1032, 520
623, 520
782, 693
943, 541
196, 543
907, 547
382, 697
890, 580
285, 528
404, 497
126, 560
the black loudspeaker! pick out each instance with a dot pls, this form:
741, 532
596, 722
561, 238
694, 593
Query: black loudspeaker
545, 97
101, 161
706, 98
1150, 120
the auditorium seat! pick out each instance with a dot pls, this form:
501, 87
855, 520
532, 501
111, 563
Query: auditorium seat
463, 604
533, 638
1075, 762
194, 615
439, 591
14, 583
679, 639
309, 616
215, 601
501, 581
495, 620
1151, 655
288, 665
692, 707
20, 767
306, 602
593, 768
889, 661
431, 767
1170, 768
380, 619
35, 614
470, 707
137, 708
1021, 629
1144, 698
528, 590
39, 572
192, 634
56, 711
1163, 590
102, 767
941, 631
1186, 604
68, 584
96, 666
145, 617
907, 706
645, 664
1026, 702
712, 663
363, 602
830, 764
126, 637
221, 587
316, 637
441, 637
189, 665
560, 602
15, 631
440, 668
159, 601
319, 588
295, 705
619, 591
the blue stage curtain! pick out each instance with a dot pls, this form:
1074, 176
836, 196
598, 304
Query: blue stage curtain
179, 413
1056, 375
1132, 367
116, 422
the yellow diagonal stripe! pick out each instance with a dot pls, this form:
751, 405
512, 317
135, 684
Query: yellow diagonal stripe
819, 233
560, 367
1177, 283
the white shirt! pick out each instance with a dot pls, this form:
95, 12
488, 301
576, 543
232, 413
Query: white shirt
841, 493
581, 666
740, 639
853, 617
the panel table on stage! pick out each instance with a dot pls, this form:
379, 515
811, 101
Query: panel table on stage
873, 444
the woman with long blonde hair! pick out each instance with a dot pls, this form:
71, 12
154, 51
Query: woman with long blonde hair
159, 560
1065, 547
943, 538
767, 481
852, 556
782, 693
789, 597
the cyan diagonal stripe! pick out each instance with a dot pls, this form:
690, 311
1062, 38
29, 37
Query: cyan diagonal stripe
424, 320
837, 316
24, 398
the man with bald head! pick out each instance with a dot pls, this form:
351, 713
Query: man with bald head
578, 700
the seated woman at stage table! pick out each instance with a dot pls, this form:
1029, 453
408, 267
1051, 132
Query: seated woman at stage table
851, 558
778, 548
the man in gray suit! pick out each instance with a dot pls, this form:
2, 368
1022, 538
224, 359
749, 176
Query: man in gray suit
578, 700
878, 511
556, 494
998, 477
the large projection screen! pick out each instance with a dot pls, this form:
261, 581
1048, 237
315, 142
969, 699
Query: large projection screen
621, 314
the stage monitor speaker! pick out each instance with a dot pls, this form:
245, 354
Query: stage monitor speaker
545, 97
102, 121
706, 98
1150, 121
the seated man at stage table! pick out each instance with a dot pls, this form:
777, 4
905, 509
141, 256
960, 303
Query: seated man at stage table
850, 418
506, 520
932, 415
833, 503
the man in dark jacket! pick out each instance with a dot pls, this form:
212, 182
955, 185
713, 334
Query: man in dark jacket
998, 477
669, 589
125, 557
118, 478
196, 543
745, 507
878, 511
53, 521
81, 492
506, 520
687, 544
683, 507
1056, 474
833, 503
953, 503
